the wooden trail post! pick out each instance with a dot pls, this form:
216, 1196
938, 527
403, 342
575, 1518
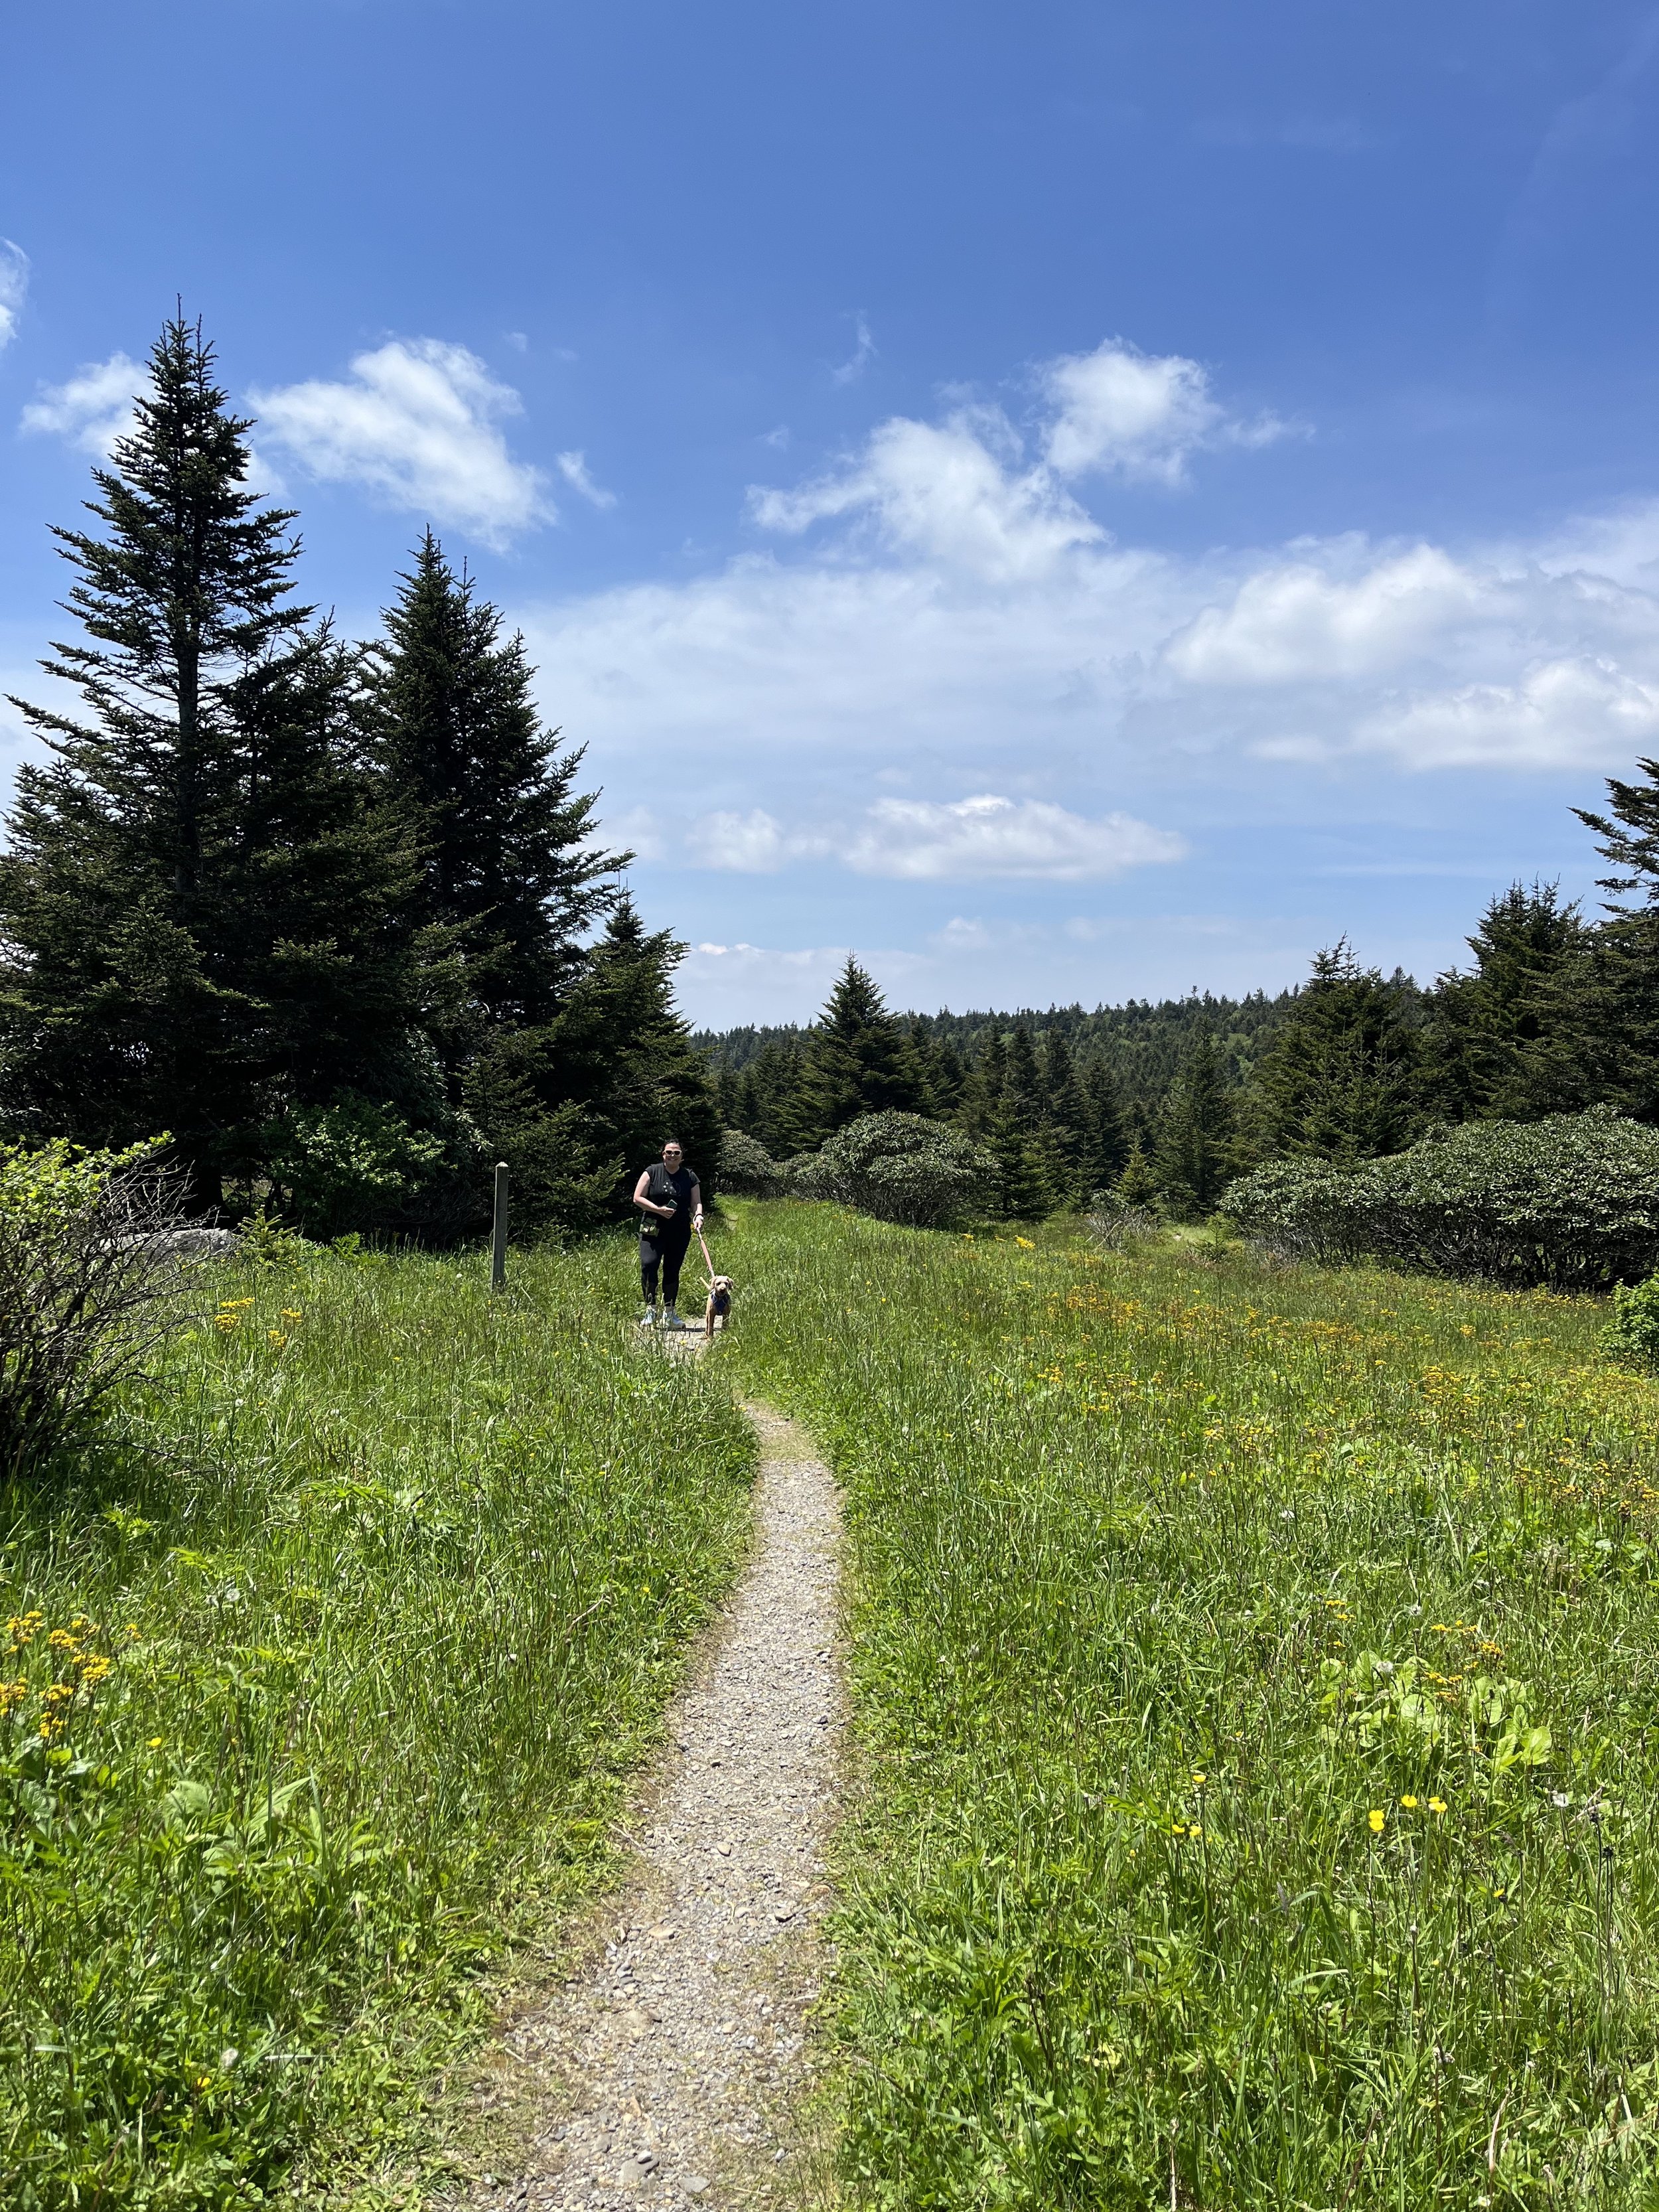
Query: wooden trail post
498, 1232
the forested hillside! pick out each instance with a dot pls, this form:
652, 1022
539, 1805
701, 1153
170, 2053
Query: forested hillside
1167, 1104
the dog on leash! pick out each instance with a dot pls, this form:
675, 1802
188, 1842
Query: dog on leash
718, 1311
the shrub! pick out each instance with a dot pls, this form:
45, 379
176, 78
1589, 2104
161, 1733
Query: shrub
1571, 1203
1632, 1335
343, 1166
747, 1169
904, 1168
88, 1247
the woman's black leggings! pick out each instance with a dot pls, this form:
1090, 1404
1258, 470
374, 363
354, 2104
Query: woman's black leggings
667, 1252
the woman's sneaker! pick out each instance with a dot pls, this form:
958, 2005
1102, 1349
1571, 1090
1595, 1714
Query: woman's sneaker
648, 1318
670, 1319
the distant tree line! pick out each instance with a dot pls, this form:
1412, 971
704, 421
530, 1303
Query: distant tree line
330, 914
1165, 1104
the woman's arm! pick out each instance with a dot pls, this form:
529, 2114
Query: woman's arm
696, 1203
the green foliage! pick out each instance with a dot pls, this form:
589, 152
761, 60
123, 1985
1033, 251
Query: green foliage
342, 1165
858, 1058
1169, 1571
84, 1286
1197, 1147
203, 898
322, 1682
1339, 1081
1572, 1201
900, 1167
509, 873
1494, 1035
1632, 1335
747, 1169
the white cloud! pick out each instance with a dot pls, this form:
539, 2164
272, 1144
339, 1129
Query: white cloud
1294, 621
94, 409
1142, 414
862, 354
945, 492
14, 288
634, 829
923, 840
573, 467
989, 837
1561, 713
752, 844
419, 424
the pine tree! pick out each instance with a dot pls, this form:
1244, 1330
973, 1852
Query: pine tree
1198, 1152
982, 1093
583, 1103
942, 1072
1600, 1017
1493, 1034
859, 1060
1104, 1151
1138, 1185
201, 868
1340, 1081
509, 878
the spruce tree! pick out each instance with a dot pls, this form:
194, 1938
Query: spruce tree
201, 867
1494, 1034
1197, 1151
1340, 1081
509, 879
859, 1060
1104, 1152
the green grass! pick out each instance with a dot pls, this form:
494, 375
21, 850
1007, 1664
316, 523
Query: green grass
1187, 1592
324, 1670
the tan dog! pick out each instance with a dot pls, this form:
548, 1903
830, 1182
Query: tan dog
718, 1312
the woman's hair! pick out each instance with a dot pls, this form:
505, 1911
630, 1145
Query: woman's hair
667, 1141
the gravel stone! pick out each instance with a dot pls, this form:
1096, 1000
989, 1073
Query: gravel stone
686, 2046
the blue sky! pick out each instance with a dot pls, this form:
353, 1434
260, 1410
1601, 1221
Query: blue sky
1067, 500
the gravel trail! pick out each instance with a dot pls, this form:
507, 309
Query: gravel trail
683, 2050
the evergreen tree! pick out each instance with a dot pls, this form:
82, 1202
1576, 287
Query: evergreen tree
508, 877
782, 1114
859, 1058
1022, 1082
1198, 1150
941, 1071
982, 1093
1105, 1144
1138, 1185
1340, 1081
202, 864
582, 1104
1598, 1007
1494, 1034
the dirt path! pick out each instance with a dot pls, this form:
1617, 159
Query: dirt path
678, 2064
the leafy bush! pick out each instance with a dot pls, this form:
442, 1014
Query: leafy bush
1571, 1203
343, 1165
1632, 1335
904, 1168
747, 1169
85, 1239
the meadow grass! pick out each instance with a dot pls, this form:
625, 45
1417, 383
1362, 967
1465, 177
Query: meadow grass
1257, 1674
324, 1667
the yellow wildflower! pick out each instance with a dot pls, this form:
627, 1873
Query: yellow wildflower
1378, 1819
1410, 1804
1436, 1804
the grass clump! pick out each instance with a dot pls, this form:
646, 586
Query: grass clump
321, 1676
1255, 1668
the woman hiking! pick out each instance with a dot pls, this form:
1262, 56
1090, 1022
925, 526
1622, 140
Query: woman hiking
670, 1200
